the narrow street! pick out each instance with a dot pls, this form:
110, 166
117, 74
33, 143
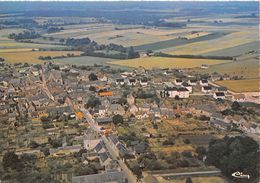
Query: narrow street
112, 151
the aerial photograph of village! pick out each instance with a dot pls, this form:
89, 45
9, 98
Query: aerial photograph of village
129, 92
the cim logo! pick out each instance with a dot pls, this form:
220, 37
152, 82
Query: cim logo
240, 175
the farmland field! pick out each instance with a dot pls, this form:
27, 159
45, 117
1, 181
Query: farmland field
84, 60
246, 85
163, 62
32, 56
248, 68
169, 44
205, 46
122, 35
6, 43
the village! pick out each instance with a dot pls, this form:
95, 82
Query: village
95, 124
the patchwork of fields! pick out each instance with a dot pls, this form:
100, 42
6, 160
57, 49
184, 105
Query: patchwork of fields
221, 43
163, 62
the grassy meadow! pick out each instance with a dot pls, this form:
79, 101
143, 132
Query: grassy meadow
163, 62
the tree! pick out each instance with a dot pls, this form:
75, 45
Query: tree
93, 102
189, 180
235, 154
118, 119
92, 77
132, 54
92, 88
201, 151
235, 106
11, 161
137, 170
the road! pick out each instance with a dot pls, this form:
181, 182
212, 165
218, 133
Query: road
112, 151
212, 172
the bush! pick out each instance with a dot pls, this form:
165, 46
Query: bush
118, 119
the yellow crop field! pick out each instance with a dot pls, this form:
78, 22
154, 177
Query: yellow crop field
173, 148
228, 41
32, 56
246, 85
163, 62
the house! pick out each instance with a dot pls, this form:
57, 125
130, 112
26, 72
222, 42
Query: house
140, 148
103, 121
104, 177
145, 108
91, 139
120, 81
102, 110
178, 82
104, 158
219, 95
204, 66
206, 89
100, 147
144, 81
105, 93
239, 97
156, 112
114, 139
116, 109
204, 82
192, 82
133, 109
130, 99
222, 89
132, 82
187, 86
59, 111
123, 151
183, 93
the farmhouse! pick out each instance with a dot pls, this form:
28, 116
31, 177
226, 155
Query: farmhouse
173, 92
206, 89
178, 81
187, 86
143, 81
120, 81
219, 95
204, 82
192, 82
131, 82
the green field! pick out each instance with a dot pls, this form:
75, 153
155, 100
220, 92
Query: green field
88, 61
